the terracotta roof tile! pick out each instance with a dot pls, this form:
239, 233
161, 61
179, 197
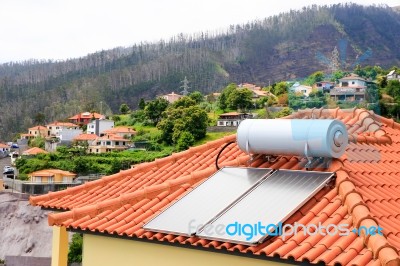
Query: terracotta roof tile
34, 151
85, 137
38, 128
366, 193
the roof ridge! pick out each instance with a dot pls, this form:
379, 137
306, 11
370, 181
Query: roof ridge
154, 190
358, 209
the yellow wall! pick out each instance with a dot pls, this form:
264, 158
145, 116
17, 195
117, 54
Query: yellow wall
59, 255
58, 178
100, 250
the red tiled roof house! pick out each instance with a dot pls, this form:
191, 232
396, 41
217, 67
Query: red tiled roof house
38, 131
111, 212
84, 118
108, 143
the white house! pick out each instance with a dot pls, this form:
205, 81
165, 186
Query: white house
98, 126
232, 119
392, 75
56, 128
4, 148
303, 89
351, 88
171, 97
109, 143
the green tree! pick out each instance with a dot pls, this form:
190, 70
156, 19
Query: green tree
359, 71
124, 108
284, 112
116, 165
37, 142
382, 81
175, 121
223, 98
155, 108
240, 99
314, 77
337, 75
184, 102
39, 118
280, 88
197, 96
393, 89
142, 104
75, 249
185, 140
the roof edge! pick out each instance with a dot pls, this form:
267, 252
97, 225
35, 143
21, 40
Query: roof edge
147, 192
358, 209
37, 200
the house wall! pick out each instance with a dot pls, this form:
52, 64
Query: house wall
228, 123
98, 126
101, 250
57, 178
68, 134
357, 83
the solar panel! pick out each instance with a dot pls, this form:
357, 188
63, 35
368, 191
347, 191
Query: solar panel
202, 204
270, 202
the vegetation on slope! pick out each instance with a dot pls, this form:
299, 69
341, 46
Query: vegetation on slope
273, 49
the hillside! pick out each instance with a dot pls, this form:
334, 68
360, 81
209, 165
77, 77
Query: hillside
23, 229
285, 46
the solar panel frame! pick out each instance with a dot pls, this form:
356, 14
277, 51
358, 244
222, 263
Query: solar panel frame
327, 177
163, 225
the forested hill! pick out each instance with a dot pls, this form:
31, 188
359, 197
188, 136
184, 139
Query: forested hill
285, 46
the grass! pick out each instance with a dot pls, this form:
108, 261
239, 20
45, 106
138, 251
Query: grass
210, 136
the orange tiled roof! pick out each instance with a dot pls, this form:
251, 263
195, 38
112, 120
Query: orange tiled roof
366, 193
34, 151
2, 145
51, 172
38, 128
112, 137
86, 115
231, 113
261, 93
83, 137
62, 124
120, 129
352, 77
27, 135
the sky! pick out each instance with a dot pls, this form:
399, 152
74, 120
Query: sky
62, 29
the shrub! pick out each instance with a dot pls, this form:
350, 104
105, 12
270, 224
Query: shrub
75, 249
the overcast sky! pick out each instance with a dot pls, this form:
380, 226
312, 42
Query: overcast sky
61, 29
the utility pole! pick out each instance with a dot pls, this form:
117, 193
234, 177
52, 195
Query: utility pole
185, 87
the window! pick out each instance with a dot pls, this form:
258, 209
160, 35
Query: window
220, 123
117, 143
50, 179
345, 84
352, 82
38, 179
66, 179
123, 143
108, 143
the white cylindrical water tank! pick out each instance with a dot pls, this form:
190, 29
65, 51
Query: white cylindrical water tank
303, 137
